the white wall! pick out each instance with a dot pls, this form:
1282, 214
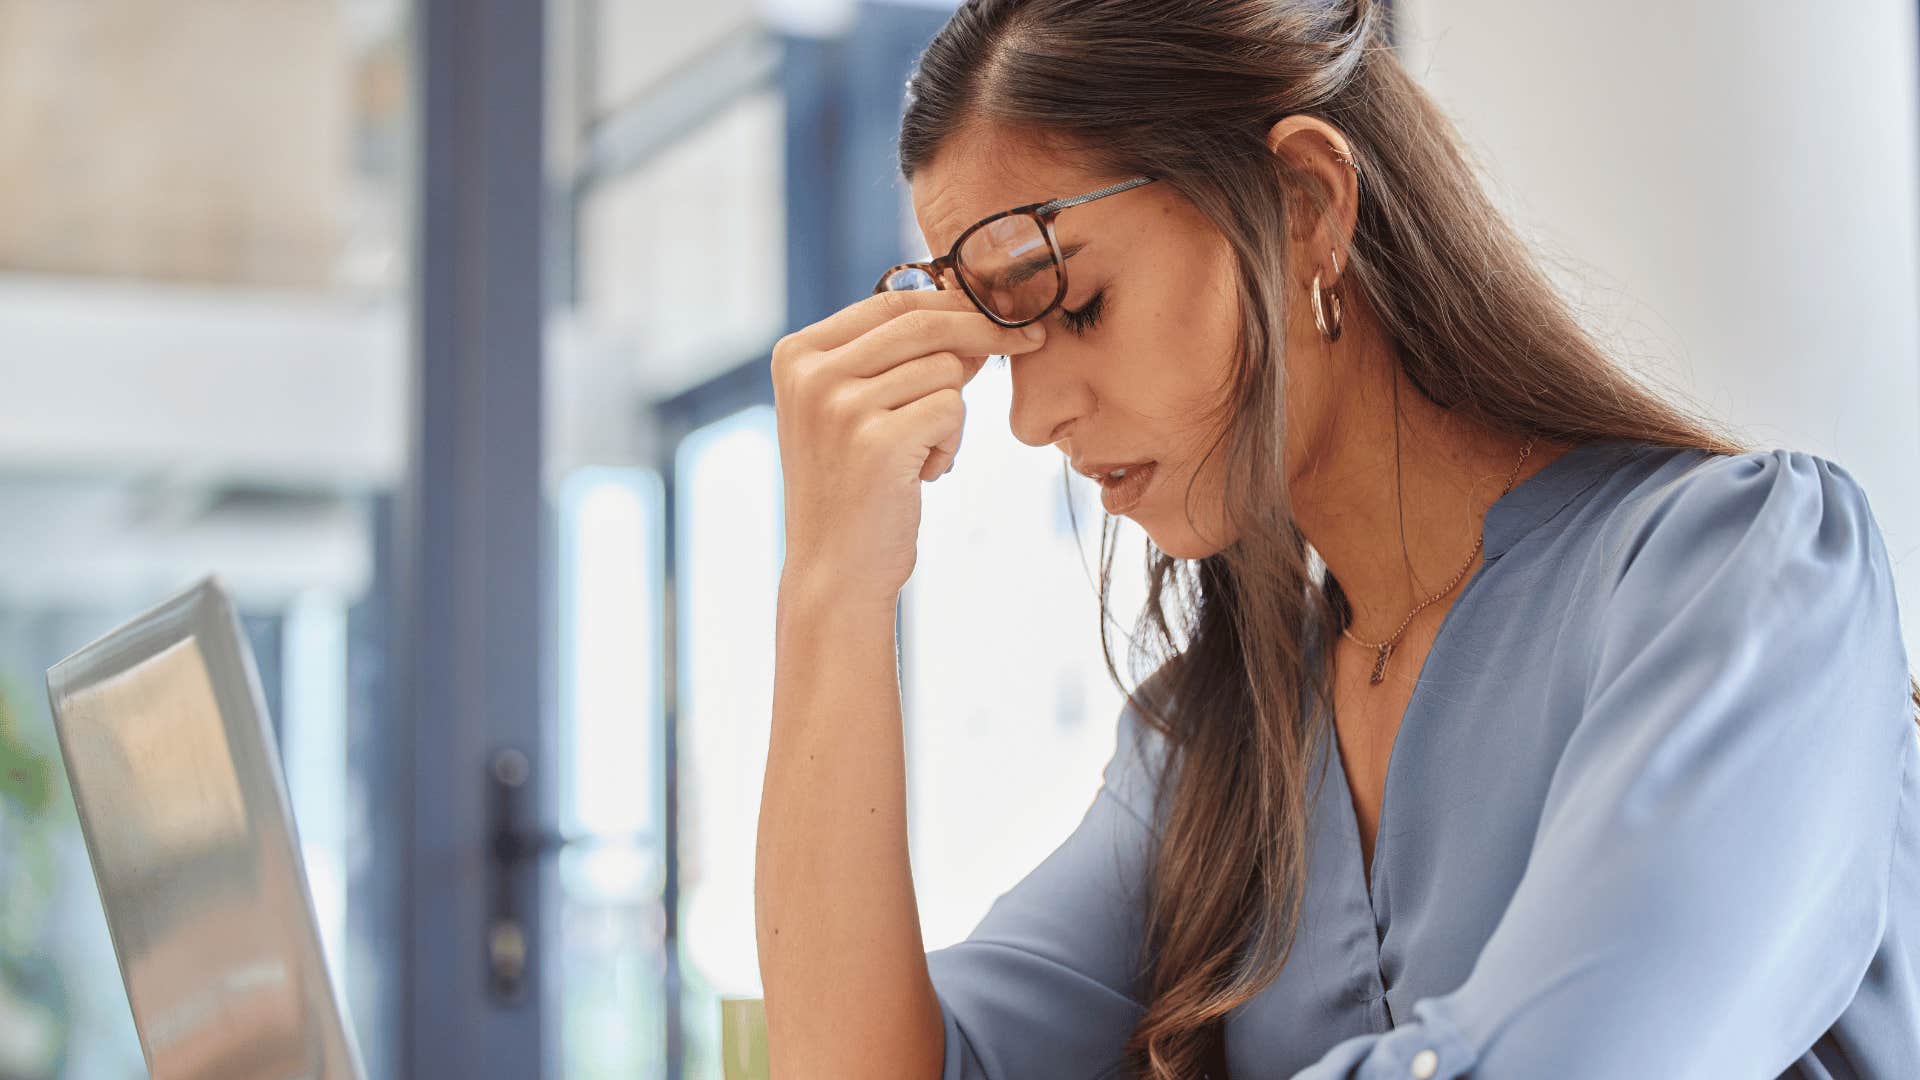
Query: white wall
1730, 187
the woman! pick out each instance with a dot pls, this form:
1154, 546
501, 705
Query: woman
1512, 723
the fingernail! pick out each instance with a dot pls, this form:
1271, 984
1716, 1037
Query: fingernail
1033, 332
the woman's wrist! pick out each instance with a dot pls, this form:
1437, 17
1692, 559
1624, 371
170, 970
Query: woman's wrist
812, 597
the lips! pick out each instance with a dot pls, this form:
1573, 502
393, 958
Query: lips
1100, 471
1121, 494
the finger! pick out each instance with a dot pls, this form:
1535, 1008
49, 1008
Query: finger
939, 460
942, 458
917, 333
863, 315
913, 380
974, 364
941, 455
928, 430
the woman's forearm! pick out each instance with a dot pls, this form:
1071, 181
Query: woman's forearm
841, 956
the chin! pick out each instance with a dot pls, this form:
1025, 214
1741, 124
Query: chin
1182, 542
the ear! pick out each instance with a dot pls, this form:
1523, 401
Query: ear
1320, 150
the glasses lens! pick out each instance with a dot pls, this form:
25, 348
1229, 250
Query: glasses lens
907, 278
1009, 265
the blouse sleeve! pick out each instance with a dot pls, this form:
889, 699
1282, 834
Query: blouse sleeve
1709, 879
1046, 985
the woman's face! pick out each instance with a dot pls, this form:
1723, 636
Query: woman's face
1143, 380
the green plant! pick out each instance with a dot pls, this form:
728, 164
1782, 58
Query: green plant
35, 1017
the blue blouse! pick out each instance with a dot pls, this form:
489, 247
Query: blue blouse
1652, 811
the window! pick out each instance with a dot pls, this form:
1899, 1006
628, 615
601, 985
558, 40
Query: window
611, 930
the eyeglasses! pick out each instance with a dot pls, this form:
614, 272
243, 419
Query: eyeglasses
1009, 264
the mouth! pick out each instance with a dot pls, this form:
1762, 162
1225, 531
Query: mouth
1122, 487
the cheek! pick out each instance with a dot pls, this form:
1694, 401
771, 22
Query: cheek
1167, 349
1174, 408
1200, 360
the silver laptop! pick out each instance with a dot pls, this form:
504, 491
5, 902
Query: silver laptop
187, 823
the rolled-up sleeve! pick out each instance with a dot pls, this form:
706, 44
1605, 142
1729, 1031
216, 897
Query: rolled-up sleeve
1709, 879
1046, 984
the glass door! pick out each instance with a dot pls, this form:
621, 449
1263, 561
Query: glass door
610, 920
730, 540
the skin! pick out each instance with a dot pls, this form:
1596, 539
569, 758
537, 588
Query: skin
870, 407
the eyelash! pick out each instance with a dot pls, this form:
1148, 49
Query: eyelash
1079, 322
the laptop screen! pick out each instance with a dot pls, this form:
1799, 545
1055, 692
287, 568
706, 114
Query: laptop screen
188, 827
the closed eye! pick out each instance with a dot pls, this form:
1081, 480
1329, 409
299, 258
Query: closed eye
1083, 320
1077, 322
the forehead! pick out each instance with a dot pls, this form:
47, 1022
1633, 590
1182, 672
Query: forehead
981, 171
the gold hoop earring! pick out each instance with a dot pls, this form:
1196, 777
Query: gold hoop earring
1329, 329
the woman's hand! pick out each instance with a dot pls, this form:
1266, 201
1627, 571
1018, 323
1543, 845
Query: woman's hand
868, 407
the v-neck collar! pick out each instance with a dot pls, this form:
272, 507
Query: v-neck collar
1540, 496
1362, 880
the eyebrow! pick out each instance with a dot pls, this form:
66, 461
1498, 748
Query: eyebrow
1027, 268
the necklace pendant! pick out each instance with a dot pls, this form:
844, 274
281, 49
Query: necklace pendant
1380, 665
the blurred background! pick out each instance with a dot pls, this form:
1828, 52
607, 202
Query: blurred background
440, 329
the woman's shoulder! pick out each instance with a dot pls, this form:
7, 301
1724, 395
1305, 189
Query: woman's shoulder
1761, 507
1768, 552
1766, 569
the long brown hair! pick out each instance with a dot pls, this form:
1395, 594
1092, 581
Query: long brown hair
1187, 92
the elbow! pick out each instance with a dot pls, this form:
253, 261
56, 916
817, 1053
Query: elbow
864, 1043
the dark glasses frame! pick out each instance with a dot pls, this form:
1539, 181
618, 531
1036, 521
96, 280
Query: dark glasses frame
1042, 212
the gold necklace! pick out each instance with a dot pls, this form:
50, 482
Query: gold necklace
1385, 648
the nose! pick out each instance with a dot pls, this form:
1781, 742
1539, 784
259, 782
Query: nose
1047, 397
